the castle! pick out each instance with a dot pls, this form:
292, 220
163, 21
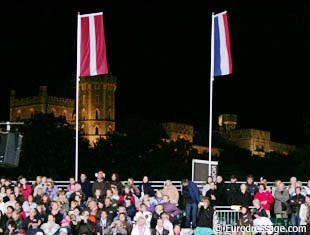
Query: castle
96, 106
258, 142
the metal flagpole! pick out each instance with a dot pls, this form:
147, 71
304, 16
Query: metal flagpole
211, 93
77, 98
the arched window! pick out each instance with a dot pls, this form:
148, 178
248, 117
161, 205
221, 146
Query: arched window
83, 114
109, 114
97, 114
83, 99
96, 130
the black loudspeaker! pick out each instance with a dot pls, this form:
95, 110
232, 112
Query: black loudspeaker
10, 147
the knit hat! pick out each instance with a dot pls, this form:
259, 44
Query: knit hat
100, 172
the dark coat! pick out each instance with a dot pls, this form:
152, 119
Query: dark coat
146, 188
86, 188
221, 190
231, 192
216, 195
243, 199
205, 217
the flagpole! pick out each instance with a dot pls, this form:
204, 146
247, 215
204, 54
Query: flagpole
77, 98
211, 94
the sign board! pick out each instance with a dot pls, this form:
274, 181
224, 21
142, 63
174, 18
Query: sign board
200, 170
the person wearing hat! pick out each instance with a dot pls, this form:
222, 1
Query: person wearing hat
100, 183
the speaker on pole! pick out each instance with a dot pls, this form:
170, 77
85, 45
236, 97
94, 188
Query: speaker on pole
10, 147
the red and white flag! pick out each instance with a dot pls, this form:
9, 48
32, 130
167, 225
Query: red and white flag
91, 54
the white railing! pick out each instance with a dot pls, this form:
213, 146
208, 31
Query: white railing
156, 185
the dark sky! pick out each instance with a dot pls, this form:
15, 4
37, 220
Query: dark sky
161, 55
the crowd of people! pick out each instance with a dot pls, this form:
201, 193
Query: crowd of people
110, 207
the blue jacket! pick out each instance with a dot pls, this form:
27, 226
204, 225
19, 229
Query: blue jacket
194, 191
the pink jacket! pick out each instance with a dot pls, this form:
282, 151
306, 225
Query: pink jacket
264, 196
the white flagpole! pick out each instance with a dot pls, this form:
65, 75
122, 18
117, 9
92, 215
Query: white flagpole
77, 98
211, 93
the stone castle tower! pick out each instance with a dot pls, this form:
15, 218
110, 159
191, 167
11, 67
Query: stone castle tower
96, 106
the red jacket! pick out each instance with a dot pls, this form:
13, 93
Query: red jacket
264, 196
122, 199
26, 191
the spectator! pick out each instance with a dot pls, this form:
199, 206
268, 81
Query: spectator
141, 228
123, 219
86, 225
191, 196
85, 185
221, 189
51, 189
275, 186
103, 223
245, 218
111, 211
50, 227
243, 197
205, 214
231, 190
100, 183
130, 208
265, 198
25, 188
177, 229
56, 212
2, 205
171, 209
304, 214
158, 198
295, 203
159, 229
292, 185
252, 188
20, 211
159, 210
146, 188
281, 206
122, 210
116, 182
145, 213
71, 183
29, 204
306, 188
147, 201
11, 201
171, 191
134, 189
206, 187
127, 193
167, 224
39, 194
212, 194
2, 192
18, 195
117, 227
260, 219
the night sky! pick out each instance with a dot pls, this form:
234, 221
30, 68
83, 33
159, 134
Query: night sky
161, 55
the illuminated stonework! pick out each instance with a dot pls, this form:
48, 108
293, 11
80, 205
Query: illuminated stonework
258, 142
96, 106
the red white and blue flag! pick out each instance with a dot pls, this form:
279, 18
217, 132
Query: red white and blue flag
91, 54
222, 64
